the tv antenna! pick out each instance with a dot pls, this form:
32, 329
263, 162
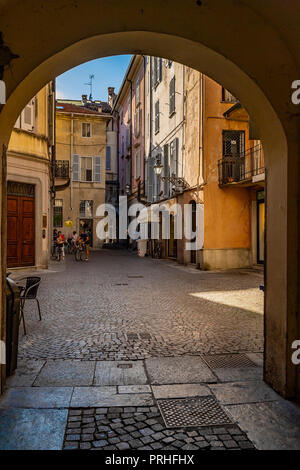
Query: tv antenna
90, 84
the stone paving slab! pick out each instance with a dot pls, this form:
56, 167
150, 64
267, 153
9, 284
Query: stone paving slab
32, 429
42, 397
239, 374
120, 373
64, 373
180, 391
26, 373
107, 396
270, 426
172, 370
243, 392
134, 389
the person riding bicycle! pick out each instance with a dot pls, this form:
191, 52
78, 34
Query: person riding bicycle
85, 240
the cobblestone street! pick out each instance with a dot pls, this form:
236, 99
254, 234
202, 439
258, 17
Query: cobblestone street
119, 306
143, 354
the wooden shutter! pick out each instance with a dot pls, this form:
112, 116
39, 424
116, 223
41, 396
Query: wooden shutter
160, 69
28, 116
97, 169
108, 158
176, 149
150, 179
75, 167
137, 164
157, 116
172, 96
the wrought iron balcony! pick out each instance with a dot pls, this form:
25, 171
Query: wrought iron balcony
62, 169
241, 168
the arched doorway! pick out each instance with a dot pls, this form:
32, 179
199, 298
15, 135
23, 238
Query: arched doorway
251, 68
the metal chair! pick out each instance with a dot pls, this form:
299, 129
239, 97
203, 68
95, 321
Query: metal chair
28, 292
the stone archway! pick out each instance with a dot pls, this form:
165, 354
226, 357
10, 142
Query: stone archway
251, 49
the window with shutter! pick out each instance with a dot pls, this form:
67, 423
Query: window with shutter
127, 138
157, 71
86, 168
108, 158
166, 170
157, 116
172, 96
86, 129
150, 179
174, 157
97, 169
27, 117
75, 168
137, 164
137, 94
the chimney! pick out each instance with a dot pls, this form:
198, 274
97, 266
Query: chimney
111, 96
84, 99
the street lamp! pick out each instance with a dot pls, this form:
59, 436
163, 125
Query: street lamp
158, 167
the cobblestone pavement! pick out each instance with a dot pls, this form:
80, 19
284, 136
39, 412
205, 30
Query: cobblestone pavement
142, 428
118, 306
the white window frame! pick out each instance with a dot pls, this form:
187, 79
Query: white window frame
90, 130
96, 168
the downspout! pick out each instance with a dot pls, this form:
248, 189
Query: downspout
71, 160
201, 136
183, 121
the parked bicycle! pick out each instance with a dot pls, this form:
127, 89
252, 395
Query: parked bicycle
157, 249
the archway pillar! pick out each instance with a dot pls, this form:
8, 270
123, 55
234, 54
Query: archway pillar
282, 323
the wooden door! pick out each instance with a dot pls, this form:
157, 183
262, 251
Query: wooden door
20, 231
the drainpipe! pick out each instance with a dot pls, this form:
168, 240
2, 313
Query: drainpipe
183, 121
71, 160
201, 134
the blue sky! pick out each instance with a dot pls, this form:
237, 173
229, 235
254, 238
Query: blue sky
108, 71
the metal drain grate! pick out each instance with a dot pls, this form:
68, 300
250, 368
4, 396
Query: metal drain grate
124, 366
132, 276
191, 412
219, 361
132, 336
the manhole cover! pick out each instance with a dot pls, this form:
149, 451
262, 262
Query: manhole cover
219, 361
124, 366
190, 412
146, 336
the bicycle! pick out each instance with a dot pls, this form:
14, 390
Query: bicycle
56, 253
80, 252
157, 249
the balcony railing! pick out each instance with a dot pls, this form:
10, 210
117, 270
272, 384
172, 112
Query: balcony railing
62, 169
241, 168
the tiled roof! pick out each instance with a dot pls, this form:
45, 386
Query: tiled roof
64, 107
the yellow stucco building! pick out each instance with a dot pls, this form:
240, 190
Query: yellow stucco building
80, 167
29, 157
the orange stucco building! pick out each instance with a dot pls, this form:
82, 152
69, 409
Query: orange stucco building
233, 184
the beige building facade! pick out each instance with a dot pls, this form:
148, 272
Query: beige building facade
80, 167
29, 156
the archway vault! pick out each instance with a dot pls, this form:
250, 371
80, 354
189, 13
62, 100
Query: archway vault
253, 50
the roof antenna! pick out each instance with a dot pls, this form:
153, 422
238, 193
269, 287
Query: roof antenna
90, 84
